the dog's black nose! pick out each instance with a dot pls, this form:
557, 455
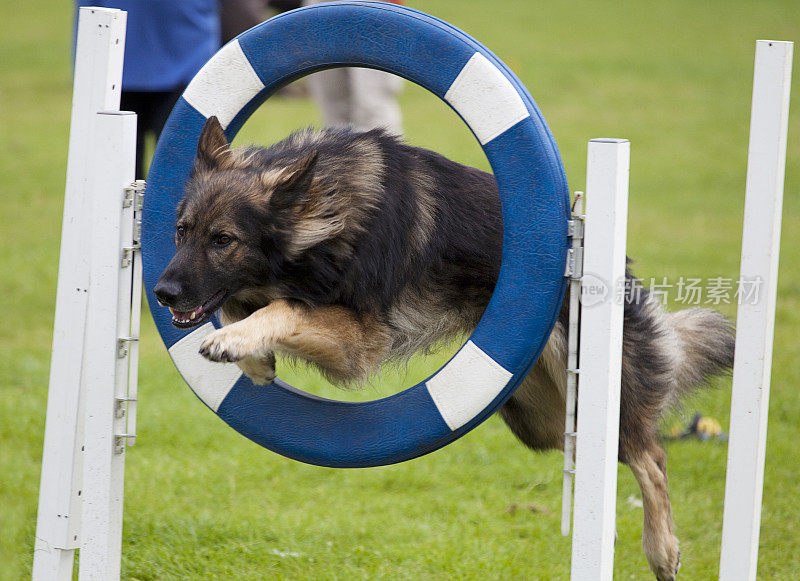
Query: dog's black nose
166, 292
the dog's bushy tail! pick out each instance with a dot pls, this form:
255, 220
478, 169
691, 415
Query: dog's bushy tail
706, 342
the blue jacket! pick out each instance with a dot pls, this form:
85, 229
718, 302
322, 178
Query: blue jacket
167, 41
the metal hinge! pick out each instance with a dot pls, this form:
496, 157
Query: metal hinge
138, 188
120, 440
122, 405
575, 231
138, 203
575, 228
127, 256
134, 196
122, 346
574, 268
120, 411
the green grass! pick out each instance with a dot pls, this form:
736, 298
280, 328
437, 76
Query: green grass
204, 503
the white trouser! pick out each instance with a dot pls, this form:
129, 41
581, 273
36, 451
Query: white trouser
364, 98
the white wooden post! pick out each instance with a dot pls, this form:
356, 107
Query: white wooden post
755, 320
105, 372
97, 80
600, 361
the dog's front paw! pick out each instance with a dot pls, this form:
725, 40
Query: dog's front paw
260, 371
231, 344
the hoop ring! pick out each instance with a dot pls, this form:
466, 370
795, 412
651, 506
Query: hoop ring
490, 99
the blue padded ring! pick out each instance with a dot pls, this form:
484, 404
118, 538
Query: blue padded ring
533, 190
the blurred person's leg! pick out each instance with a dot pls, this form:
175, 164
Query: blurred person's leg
365, 98
152, 109
236, 16
138, 102
331, 90
284, 5
373, 100
162, 107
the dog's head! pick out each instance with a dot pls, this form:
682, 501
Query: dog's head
235, 226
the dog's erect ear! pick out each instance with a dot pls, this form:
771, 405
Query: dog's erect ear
298, 176
213, 147
290, 186
307, 211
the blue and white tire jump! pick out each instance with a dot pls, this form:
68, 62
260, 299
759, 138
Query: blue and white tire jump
535, 201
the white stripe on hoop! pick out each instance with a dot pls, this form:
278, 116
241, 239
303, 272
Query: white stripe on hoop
485, 99
210, 381
224, 85
466, 385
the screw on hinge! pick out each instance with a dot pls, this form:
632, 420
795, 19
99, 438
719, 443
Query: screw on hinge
139, 187
120, 440
134, 195
575, 228
121, 406
574, 268
122, 345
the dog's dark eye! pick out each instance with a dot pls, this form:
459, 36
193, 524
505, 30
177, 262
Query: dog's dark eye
222, 240
180, 231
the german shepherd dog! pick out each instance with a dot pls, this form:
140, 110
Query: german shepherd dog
346, 249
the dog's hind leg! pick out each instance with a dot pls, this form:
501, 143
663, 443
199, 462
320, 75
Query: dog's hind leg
642, 401
648, 462
347, 347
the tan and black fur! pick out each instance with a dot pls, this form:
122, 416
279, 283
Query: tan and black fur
348, 249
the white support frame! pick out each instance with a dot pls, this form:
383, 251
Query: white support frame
105, 372
575, 274
91, 405
755, 320
601, 334
600, 357
77, 466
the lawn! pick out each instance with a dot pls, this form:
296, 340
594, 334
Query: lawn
204, 503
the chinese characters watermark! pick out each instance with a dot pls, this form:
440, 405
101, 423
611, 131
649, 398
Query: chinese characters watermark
690, 291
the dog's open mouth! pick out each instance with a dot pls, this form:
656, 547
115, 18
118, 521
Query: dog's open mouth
187, 319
